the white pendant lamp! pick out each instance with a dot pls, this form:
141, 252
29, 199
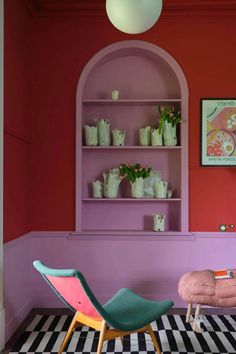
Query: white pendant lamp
133, 16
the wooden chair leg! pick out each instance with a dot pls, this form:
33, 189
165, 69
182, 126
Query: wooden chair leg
188, 312
68, 333
101, 337
154, 340
196, 328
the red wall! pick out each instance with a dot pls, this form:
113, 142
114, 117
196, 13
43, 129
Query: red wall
16, 120
60, 49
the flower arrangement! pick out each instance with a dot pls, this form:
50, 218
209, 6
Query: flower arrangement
132, 171
169, 114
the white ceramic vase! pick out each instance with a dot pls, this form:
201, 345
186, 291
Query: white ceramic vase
137, 188
115, 94
111, 183
169, 134
159, 222
156, 138
118, 137
91, 135
104, 138
145, 136
161, 189
97, 189
150, 182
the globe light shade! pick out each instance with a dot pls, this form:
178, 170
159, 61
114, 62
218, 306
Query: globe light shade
133, 16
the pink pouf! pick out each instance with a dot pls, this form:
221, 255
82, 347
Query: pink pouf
201, 288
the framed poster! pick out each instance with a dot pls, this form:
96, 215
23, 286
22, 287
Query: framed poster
218, 131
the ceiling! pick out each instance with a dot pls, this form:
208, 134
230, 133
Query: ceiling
97, 7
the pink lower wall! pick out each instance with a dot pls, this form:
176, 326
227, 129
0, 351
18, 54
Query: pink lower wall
18, 300
153, 271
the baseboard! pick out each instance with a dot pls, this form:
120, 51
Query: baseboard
56, 311
2, 329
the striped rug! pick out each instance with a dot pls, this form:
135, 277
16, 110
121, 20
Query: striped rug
45, 334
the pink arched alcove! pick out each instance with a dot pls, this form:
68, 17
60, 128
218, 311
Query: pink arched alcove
146, 76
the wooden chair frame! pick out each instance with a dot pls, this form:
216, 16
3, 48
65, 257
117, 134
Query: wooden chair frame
80, 319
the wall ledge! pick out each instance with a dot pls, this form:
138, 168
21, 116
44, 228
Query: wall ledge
103, 236
129, 236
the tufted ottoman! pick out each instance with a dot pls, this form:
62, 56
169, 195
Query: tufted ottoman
201, 288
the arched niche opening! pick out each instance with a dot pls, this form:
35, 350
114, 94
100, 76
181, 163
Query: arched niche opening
146, 76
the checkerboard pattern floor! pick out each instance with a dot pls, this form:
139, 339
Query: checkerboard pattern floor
45, 334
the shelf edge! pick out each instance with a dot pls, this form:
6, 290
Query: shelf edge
153, 200
121, 101
131, 147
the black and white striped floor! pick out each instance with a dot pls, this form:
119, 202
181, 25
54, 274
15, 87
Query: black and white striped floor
45, 334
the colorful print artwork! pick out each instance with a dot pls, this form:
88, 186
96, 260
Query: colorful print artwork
218, 132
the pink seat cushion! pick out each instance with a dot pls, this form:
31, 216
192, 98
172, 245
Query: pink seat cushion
201, 287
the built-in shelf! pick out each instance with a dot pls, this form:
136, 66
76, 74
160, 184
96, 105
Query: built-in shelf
130, 101
131, 147
146, 77
131, 200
